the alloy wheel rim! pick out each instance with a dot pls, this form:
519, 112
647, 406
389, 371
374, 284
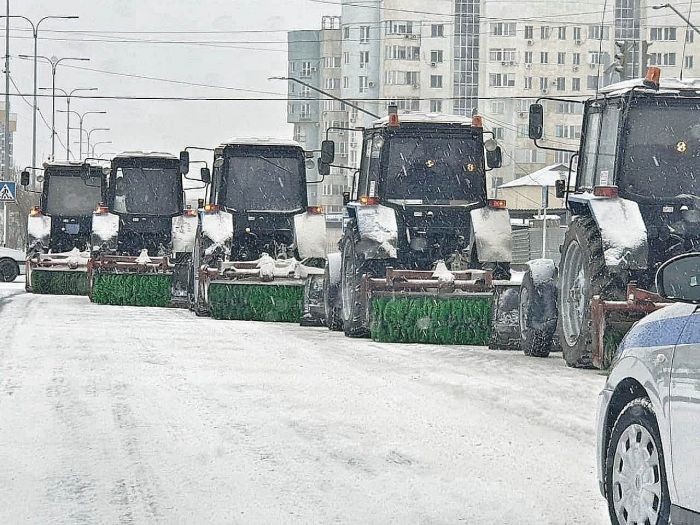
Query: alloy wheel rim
573, 293
524, 298
348, 281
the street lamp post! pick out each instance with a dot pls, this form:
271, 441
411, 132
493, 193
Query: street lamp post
89, 134
81, 117
683, 17
97, 144
68, 95
54, 62
35, 109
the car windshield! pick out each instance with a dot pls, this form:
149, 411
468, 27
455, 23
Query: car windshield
265, 182
72, 196
434, 168
662, 155
148, 191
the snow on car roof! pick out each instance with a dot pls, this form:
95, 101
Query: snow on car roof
667, 85
435, 118
261, 141
148, 154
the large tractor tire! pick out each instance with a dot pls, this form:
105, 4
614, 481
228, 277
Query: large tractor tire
538, 315
332, 301
582, 274
196, 290
9, 270
354, 306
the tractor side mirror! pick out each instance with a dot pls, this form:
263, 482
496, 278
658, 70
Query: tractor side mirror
327, 151
494, 158
560, 188
24, 178
679, 279
323, 168
346, 198
536, 122
184, 162
205, 175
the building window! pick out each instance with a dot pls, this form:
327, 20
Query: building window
498, 107
529, 32
305, 92
544, 83
592, 82
435, 81
561, 58
662, 59
575, 84
594, 57
523, 131
292, 67
502, 55
332, 83
501, 80
346, 57
405, 104
299, 134
528, 83
436, 106
305, 113
364, 34
529, 156
689, 35
364, 84
568, 108
528, 57
688, 64
576, 59
497, 133
544, 57
562, 157
503, 29
306, 69
395, 27
667, 34
436, 57
346, 33
545, 32
402, 53
577, 34
561, 32
364, 58
561, 84
346, 82
594, 32
437, 30
567, 132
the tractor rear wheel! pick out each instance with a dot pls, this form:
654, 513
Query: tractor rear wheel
538, 316
354, 306
195, 292
582, 274
332, 301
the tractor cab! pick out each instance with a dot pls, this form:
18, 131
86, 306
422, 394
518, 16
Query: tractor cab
63, 219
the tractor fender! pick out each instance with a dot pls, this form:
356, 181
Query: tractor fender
491, 234
377, 231
38, 231
184, 230
334, 262
310, 235
105, 230
622, 230
217, 231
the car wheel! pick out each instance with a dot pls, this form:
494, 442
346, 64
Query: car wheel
9, 270
635, 475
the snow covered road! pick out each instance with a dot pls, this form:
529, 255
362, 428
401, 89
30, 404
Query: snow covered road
126, 415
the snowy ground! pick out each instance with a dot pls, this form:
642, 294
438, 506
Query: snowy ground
125, 415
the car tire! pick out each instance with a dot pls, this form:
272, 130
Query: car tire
9, 270
635, 467
538, 316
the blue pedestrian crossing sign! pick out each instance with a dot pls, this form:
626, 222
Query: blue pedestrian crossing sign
8, 191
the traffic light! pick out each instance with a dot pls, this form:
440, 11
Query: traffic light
620, 64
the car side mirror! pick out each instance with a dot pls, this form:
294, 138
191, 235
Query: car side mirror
327, 151
560, 188
679, 279
184, 162
323, 168
494, 158
536, 122
346, 198
24, 178
205, 175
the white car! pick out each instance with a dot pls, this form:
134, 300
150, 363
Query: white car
12, 264
649, 410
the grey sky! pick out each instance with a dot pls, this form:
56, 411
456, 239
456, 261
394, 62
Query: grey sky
166, 126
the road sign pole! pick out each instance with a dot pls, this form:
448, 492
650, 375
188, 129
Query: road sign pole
4, 224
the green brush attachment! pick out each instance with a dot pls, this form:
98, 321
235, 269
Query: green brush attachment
59, 282
278, 303
452, 320
131, 289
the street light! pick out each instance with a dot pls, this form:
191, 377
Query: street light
81, 116
54, 62
97, 144
669, 6
89, 134
35, 33
68, 112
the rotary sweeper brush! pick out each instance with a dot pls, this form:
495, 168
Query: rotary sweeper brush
142, 236
258, 242
59, 228
422, 243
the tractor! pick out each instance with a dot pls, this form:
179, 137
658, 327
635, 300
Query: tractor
258, 242
59, 229
634, 205
421, 234
142, 234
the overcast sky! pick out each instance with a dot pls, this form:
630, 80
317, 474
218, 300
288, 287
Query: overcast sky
165, 125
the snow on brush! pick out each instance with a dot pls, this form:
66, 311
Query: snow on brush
442, 274
378, 224
174, 418
218, 227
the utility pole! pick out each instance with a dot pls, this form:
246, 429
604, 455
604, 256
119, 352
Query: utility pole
6, 171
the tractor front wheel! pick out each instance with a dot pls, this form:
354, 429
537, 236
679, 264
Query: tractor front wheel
354, 305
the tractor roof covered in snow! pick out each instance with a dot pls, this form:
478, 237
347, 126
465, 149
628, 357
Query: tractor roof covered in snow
145, 154
424, 118
670, 86
261, 141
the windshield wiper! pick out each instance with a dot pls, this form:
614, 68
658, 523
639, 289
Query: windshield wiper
275, 165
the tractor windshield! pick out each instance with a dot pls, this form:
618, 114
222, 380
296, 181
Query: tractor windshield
265, 181
153, 191
435, 169
662, 153
71, 195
